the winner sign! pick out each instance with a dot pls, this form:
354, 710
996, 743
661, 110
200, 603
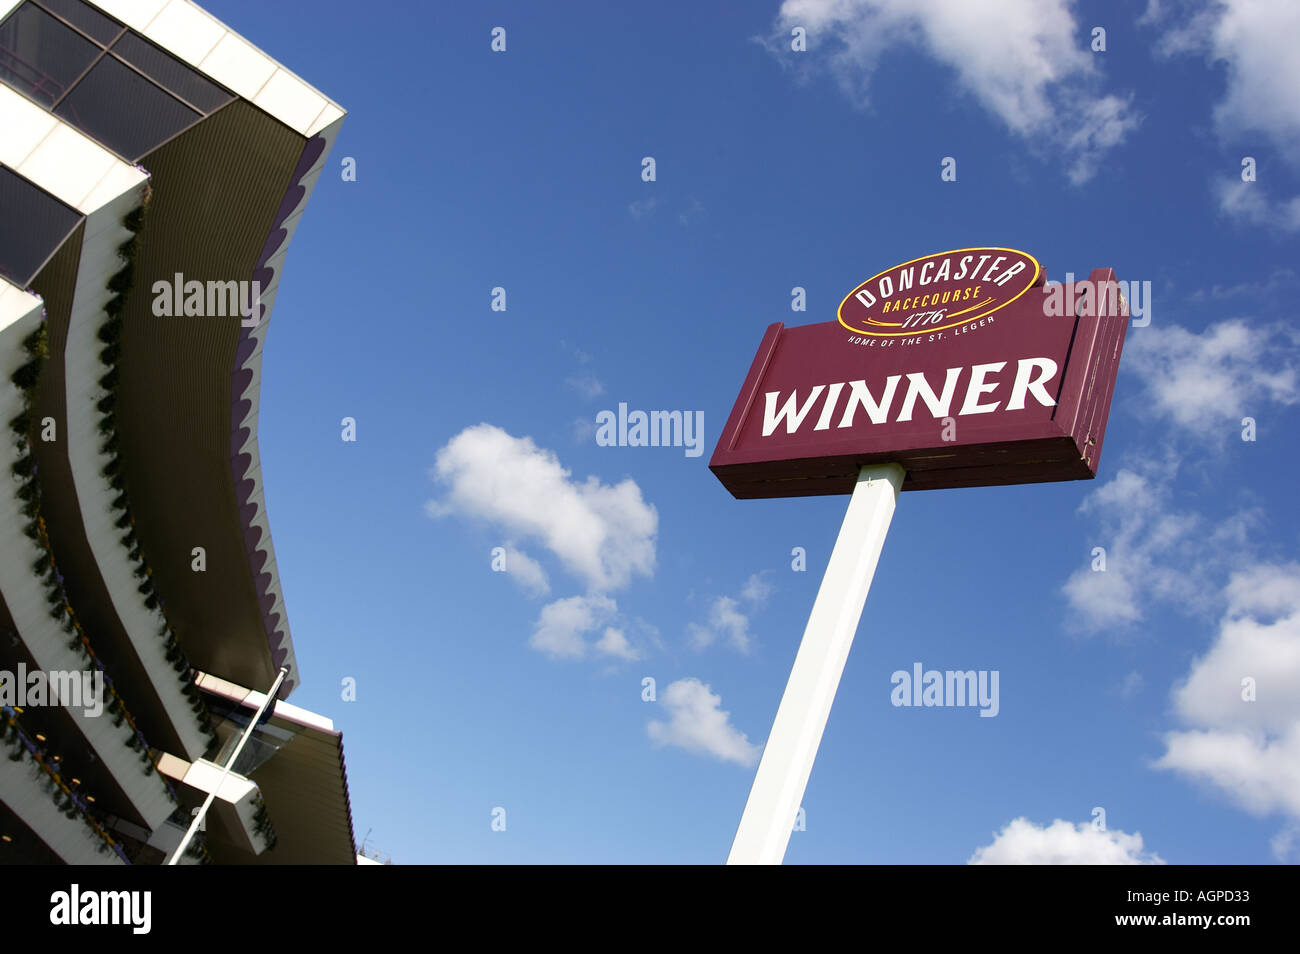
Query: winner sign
949, 365
952, 370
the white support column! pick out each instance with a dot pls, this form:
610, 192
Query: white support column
787, 761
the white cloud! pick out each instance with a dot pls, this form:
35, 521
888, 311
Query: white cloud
1132, 685
615, 643
1062, 843
1256, 40
1142, 538
562, 630
1286, 844
1248, 749
581, 356
588, 385
1093, 127
697, 723
1248, 202
1153, 552
640, 208
727, 622
1265, 589
602, 534
584, 429
1206, 383
1261, 774
1103, 600
1248, 646
691, 212
756, 590
1190, 30
526, 571
559, 630
1279, 280
1028, 64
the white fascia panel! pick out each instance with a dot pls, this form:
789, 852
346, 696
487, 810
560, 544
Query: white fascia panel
17, 305
65, 163
239, 65
290, 100
185, 30
221, 687
24, 123
329, 116
123, 187
68, 165
134, 13
206, 777
251, 700
287, 710
240, 794
195, 36
191, 33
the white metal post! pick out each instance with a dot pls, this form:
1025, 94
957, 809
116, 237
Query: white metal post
230, 764
787, 761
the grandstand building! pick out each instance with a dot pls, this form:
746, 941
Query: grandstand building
154, 166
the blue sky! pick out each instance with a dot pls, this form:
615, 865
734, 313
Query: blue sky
774, 169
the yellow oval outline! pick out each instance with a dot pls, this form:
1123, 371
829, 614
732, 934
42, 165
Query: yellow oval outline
839, 312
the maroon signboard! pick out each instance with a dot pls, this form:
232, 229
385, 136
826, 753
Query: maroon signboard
959, 366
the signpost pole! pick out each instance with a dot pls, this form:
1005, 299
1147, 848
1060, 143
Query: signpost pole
787, 761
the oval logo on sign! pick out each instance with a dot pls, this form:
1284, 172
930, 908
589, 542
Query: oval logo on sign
938, 291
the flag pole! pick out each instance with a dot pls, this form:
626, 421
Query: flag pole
765, 827
268, 702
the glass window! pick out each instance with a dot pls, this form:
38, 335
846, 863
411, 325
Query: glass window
232, 719
85, 18
123, 110
164, 69
39, 56
36, 224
